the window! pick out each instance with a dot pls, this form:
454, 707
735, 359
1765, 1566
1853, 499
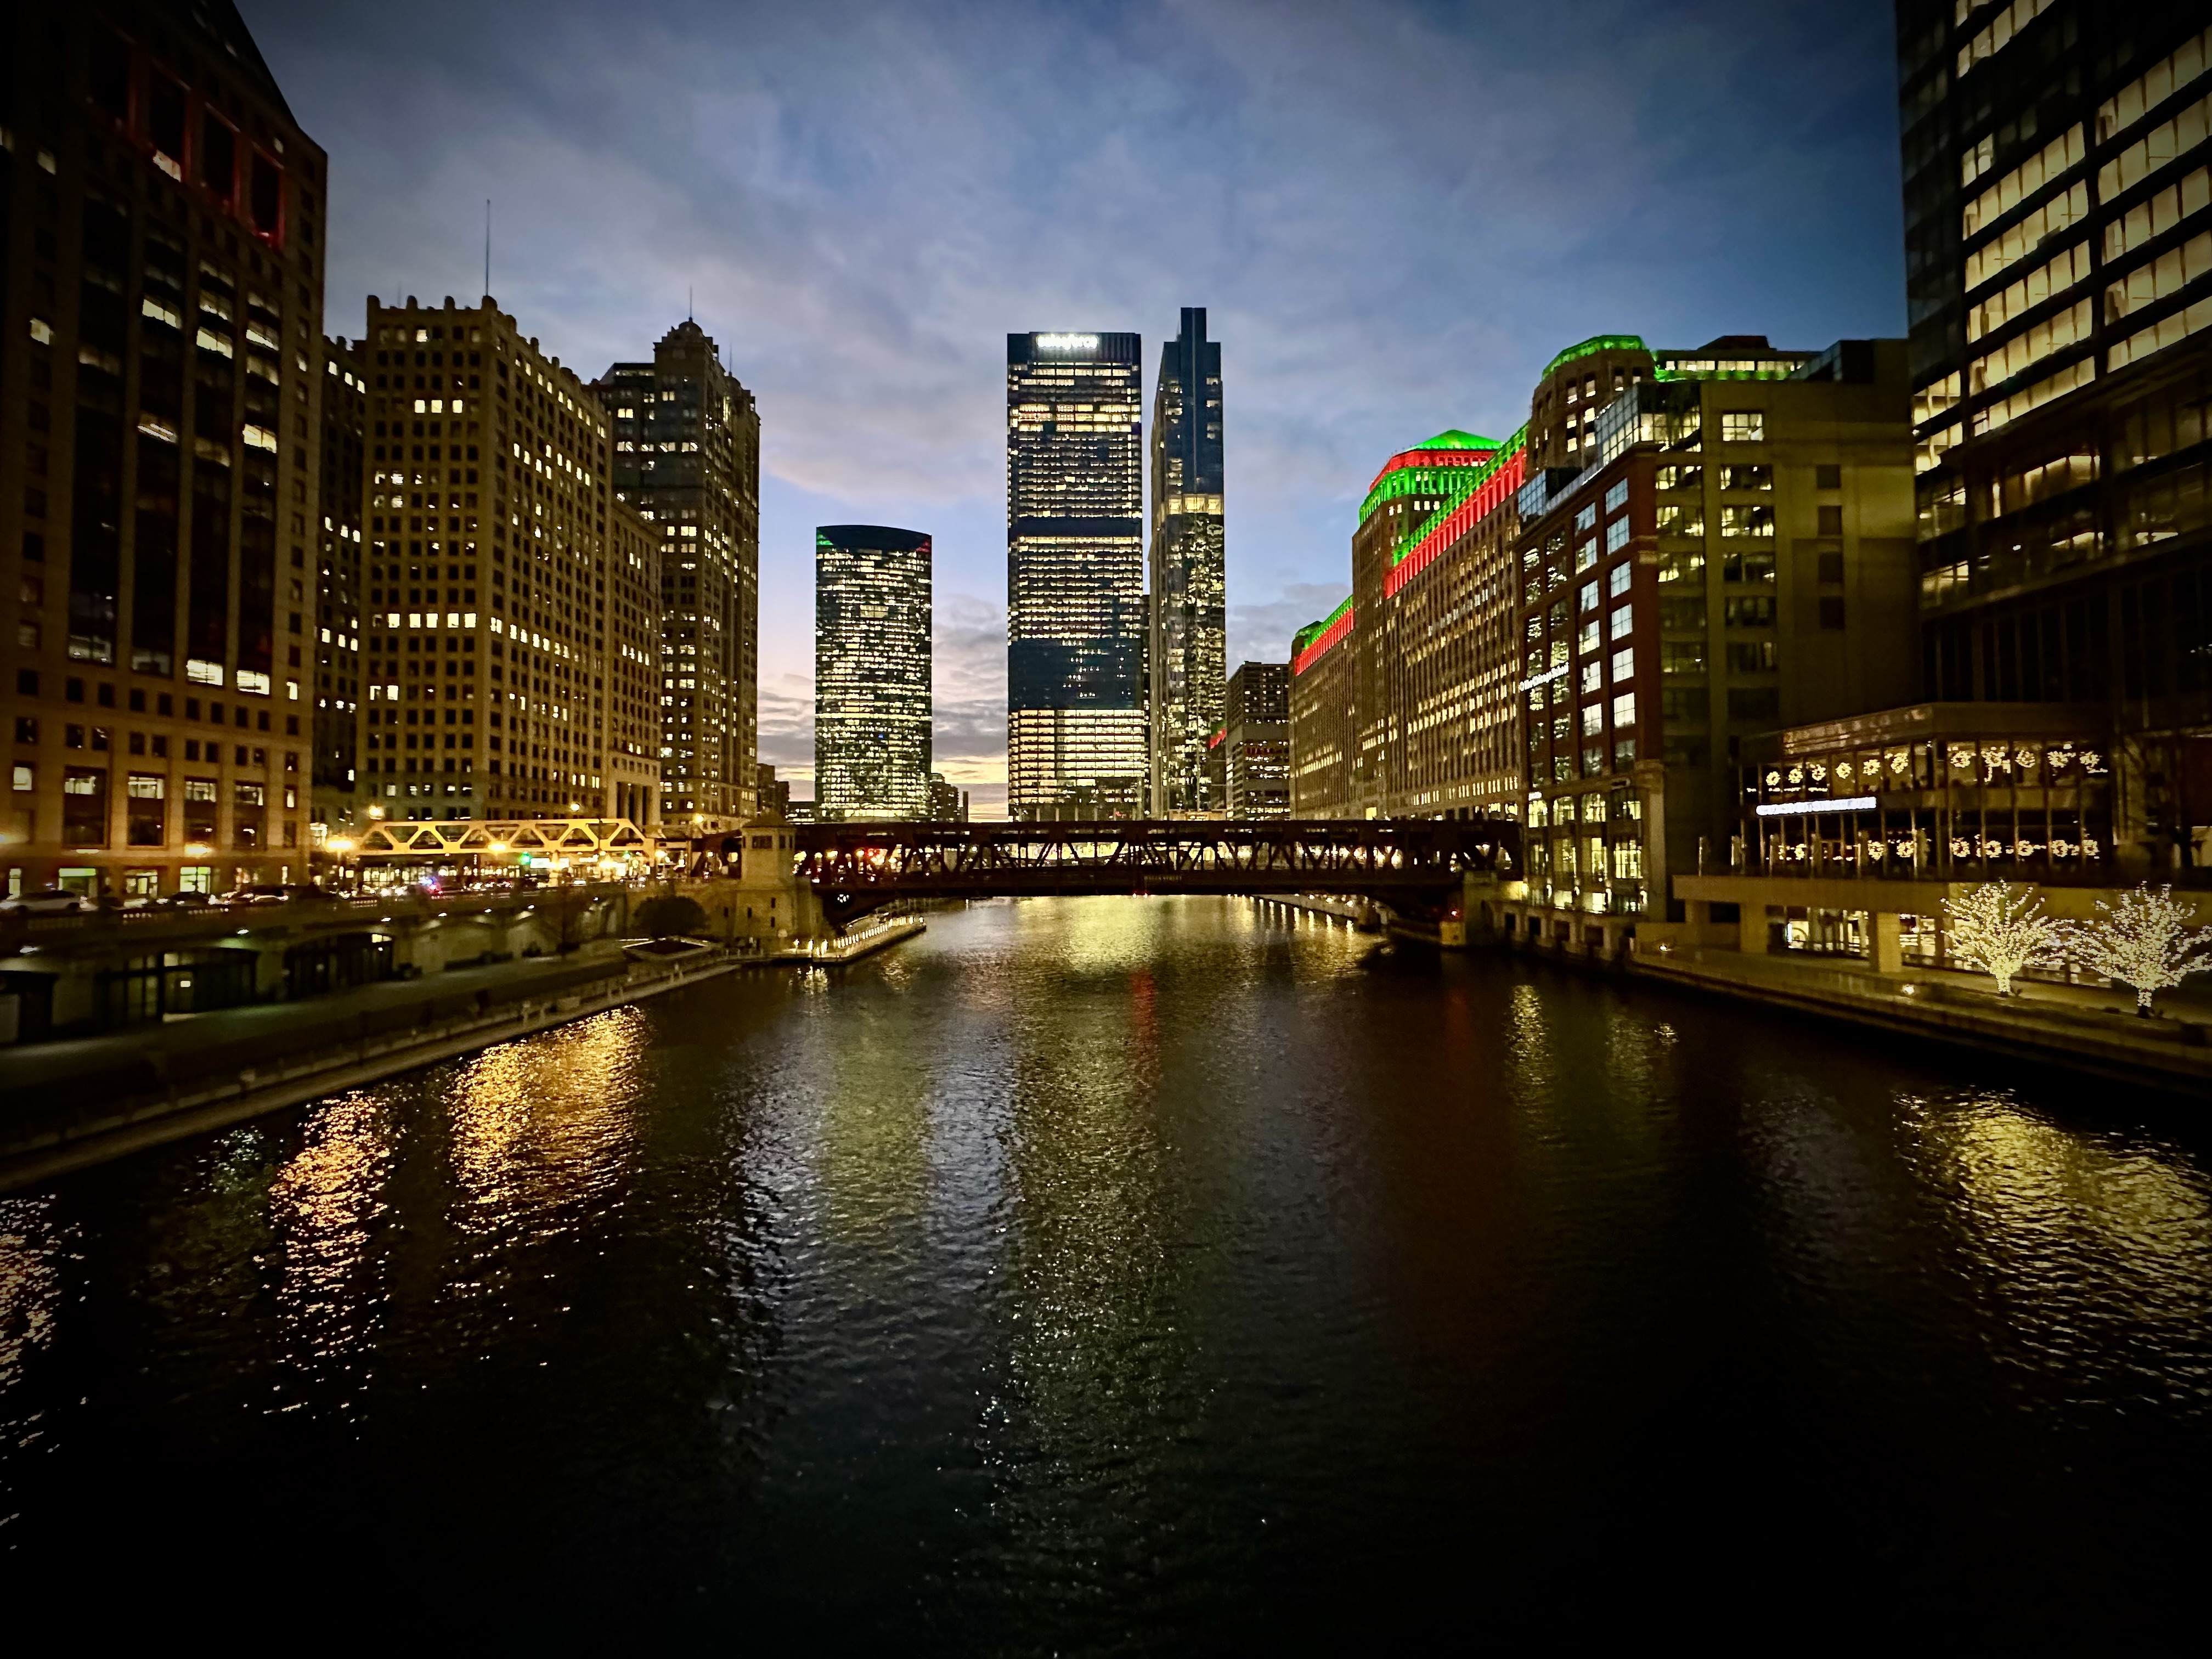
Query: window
1747, 521
1593, 718
1827, 477
1591, 677
1624, 709
1617, 497
1617, 580
1753, 612
25, 778
1586, 600
1682, 657
1593, 762
1586, 555
1624, 665
1743, 426
1831, 567
1751, 656
1587, 519
1831, 521
1747, 477
1832, 611
1621, 623
1616, 535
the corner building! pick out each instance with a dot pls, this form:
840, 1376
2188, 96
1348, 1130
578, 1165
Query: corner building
1255, 742
1076, 613
872, 674
687, 458
1189, 641
505, 584
163, 224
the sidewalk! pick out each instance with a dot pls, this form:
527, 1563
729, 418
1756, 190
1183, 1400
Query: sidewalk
2081, 1027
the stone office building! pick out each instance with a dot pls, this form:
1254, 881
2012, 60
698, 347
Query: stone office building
510, 594
687, 458
162, 220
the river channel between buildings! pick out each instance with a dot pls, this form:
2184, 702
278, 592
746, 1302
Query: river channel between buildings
1121, 1274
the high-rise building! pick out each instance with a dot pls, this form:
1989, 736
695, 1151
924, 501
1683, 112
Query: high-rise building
162, 217
1076, 619
774, 793
872, 674
506, 644
2059, 250
339, 593
1189, 628
1256, 741
947, 803
687, 456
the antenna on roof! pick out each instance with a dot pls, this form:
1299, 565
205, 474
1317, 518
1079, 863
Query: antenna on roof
487, 287
690, 311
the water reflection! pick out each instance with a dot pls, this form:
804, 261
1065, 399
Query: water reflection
1161, 1267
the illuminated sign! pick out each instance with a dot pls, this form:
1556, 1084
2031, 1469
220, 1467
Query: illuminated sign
1535, 680
1791, 809
1066, 342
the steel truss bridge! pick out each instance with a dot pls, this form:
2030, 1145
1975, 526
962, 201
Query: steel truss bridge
1414, 866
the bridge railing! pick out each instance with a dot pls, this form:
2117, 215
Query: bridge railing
1151, 854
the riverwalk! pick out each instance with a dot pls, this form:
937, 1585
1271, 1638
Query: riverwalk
2082, 1028
69, 1104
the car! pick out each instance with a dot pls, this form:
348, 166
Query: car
273, 893
183, 901
48, 901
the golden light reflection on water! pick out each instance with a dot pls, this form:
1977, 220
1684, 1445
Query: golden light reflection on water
553, 1117
323, 1205
2053, 1212
32, 1247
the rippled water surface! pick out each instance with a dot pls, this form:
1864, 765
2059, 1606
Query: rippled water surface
1146, 1274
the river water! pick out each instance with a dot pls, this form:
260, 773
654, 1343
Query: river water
1139, 1275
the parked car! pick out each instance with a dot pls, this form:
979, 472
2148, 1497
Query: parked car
183, 901
49, 902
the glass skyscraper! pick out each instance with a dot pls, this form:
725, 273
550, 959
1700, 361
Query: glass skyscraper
1189, 636
1075, 576
872, 674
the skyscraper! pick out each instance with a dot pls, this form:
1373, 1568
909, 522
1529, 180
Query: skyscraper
872, 674
338, 596
687, 456
1189, 636
1254, 745
507, 647
159, 495
1075, 576
2058, 238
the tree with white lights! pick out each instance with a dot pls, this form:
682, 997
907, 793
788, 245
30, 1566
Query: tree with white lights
2146, 942
2001, 930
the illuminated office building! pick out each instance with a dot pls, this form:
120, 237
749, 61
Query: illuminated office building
506, 646
687, 458
1075, 578
872, 674
338, 596
1189, 633
1254, 744
161, 392
2058, 269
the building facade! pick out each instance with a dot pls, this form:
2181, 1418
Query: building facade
338, 596
687, 458
1254, 743
504, 580
872, 684
1733, 555
1076, 613
775, 795
162, 223
2059, 279
1188, 640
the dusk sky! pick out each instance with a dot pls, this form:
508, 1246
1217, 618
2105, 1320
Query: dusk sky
1396, 213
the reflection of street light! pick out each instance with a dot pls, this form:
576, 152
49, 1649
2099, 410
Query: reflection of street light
342, 845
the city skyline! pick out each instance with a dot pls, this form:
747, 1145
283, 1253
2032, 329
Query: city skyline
1682, 130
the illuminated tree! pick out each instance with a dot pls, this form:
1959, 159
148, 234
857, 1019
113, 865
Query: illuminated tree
2000, 930
2145, 942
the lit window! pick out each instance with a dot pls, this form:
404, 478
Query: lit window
1743, 426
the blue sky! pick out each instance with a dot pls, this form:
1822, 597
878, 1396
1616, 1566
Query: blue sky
1396, 214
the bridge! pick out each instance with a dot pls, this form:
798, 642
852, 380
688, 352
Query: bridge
1415, 866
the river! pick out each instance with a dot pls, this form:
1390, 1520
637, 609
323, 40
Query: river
1145, 1275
